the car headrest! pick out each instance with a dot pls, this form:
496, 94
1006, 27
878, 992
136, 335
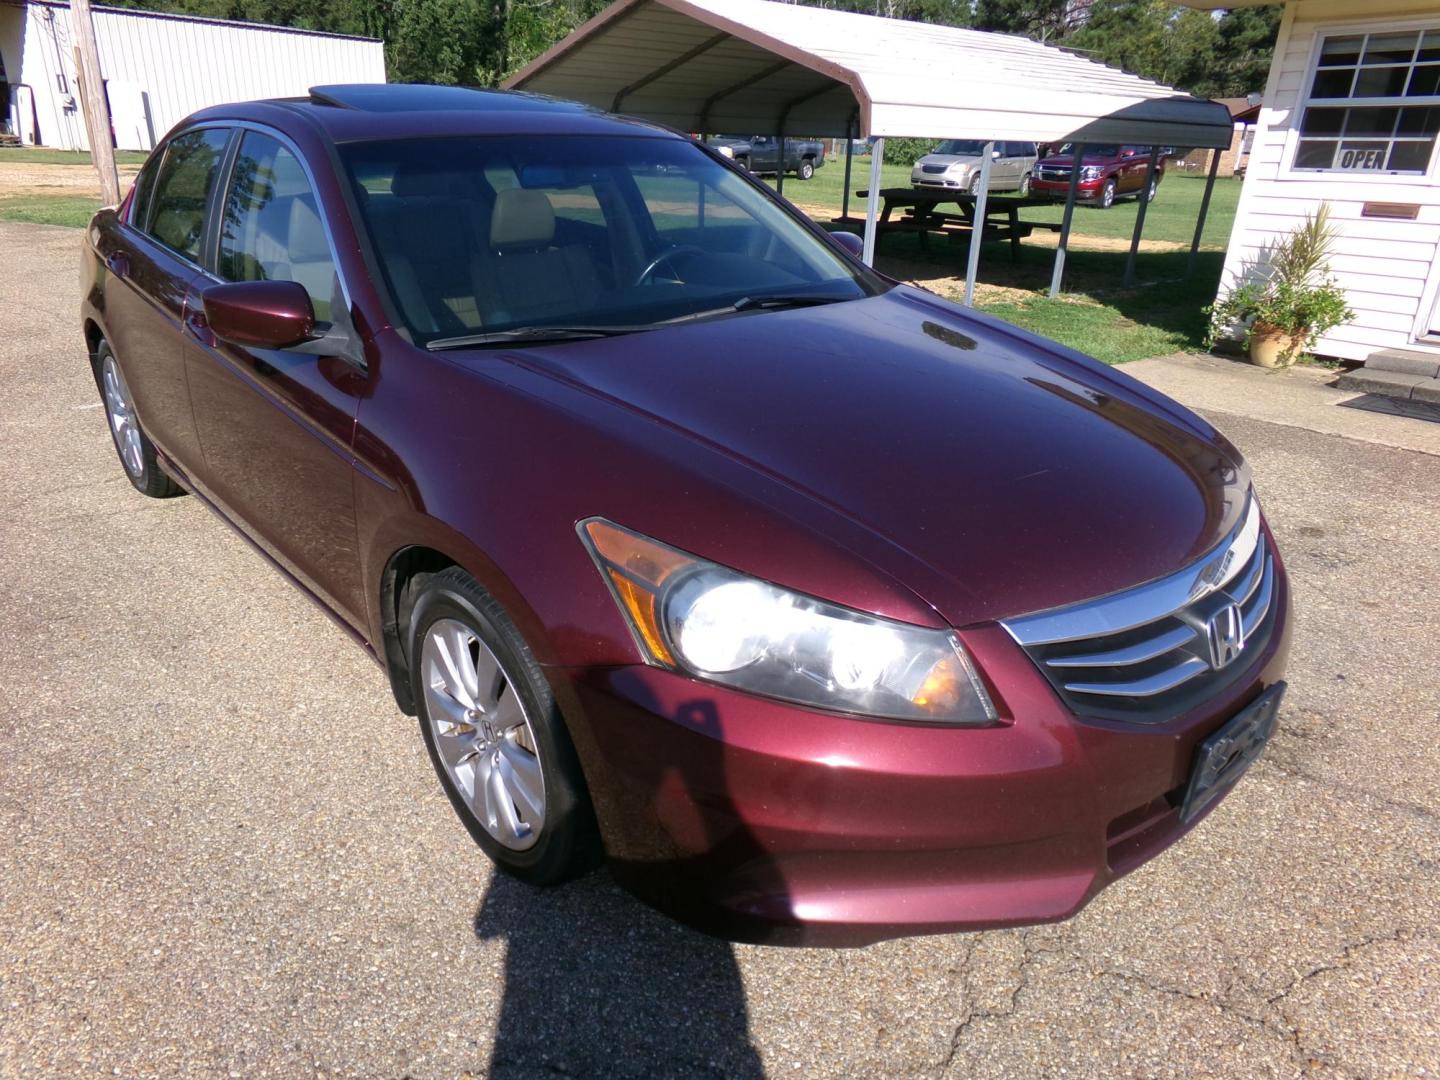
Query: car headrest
522, 218
307, 241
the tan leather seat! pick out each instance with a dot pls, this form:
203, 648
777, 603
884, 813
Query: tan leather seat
528, 277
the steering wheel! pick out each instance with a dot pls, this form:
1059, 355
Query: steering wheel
664, 257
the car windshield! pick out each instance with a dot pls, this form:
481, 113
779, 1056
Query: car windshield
1091, 150
961, 147
500, 236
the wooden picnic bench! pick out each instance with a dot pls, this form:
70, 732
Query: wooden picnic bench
923, 215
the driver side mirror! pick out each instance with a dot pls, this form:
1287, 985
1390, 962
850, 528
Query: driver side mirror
995, 154
852, 243
260, 314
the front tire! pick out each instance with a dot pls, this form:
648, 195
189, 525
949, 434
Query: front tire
1025, 186
974, 188
806, 170
1107, 195
495, 735
132, 445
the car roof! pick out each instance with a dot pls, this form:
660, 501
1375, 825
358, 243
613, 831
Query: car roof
364, 111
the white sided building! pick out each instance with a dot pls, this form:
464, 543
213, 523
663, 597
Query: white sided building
1350, 116
158, 69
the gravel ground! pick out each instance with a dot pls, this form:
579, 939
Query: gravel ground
224, 851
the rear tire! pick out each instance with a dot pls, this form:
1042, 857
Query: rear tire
1153, 191
495, 735
132, 445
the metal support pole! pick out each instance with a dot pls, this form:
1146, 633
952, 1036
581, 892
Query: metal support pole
1204, 209
872, 208
1059, 273
92, 98
780, 164
1129, 278
849, 157
977, 224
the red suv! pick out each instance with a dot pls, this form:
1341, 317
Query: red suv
823, 608
1107, 173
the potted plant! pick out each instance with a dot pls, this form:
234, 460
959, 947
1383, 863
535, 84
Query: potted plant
1292, 299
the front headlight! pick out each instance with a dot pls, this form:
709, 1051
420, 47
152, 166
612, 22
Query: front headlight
1091, 172
691, 615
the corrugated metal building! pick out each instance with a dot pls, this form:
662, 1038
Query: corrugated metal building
159, 69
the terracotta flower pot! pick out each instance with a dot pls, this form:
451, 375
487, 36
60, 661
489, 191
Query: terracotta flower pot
1271, 347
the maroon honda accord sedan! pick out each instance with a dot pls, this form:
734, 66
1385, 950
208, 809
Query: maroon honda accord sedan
822, 609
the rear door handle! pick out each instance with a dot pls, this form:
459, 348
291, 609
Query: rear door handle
117, 264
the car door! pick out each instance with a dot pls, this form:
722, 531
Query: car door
1132, 172
150, 262
276, 425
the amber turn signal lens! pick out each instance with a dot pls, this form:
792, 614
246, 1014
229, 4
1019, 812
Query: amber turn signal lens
636, 569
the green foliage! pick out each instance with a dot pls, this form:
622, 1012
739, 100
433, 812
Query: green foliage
906, 151
1292, 291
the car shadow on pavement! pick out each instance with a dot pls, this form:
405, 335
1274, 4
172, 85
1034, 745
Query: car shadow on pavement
598, 983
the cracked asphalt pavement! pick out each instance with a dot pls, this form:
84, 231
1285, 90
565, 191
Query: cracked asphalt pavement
222, 850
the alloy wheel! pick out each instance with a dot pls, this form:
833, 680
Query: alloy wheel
482, 734
120, 411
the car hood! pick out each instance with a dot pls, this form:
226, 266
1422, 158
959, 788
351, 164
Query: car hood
1089, 159
997, 474
947, 159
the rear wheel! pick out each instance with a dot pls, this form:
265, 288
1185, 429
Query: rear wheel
1153, 190
1107, 195
495, 735
807, 169
136, 451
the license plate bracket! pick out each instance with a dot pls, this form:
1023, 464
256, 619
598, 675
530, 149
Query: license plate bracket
1223, 758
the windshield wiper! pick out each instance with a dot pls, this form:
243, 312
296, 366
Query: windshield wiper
795, 300
530, 335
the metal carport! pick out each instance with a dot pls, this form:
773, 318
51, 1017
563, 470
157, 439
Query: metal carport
760, 66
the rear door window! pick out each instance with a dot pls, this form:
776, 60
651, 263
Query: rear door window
271, 228
182, 190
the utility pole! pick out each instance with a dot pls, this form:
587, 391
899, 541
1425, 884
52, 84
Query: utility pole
92, 100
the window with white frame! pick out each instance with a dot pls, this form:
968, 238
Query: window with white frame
1374, 104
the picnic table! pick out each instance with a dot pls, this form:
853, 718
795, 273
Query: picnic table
923, 215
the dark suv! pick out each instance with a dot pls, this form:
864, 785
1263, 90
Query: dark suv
824, 608
1107, 173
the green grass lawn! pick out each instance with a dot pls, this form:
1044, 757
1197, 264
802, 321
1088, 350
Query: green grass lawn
74, 211
38, 155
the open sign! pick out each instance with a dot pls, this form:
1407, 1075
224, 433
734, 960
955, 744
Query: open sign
1361, 159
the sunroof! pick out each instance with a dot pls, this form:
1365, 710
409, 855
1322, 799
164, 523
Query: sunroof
407, 97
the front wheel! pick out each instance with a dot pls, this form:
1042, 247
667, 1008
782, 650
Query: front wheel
495, 736
136, 451
1025, 186
975, 185
1107, 195
806, 170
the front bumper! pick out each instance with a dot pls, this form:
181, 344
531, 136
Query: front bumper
1085, 190
762, 821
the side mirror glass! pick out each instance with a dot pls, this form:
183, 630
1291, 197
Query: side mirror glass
262, 314
852, 243
995, 153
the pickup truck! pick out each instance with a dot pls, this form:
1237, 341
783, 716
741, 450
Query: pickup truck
758, 153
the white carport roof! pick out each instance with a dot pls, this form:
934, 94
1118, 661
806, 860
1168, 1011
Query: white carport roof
758, 66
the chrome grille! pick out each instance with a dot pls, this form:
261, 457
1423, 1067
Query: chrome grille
1151, 653
1052, 172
